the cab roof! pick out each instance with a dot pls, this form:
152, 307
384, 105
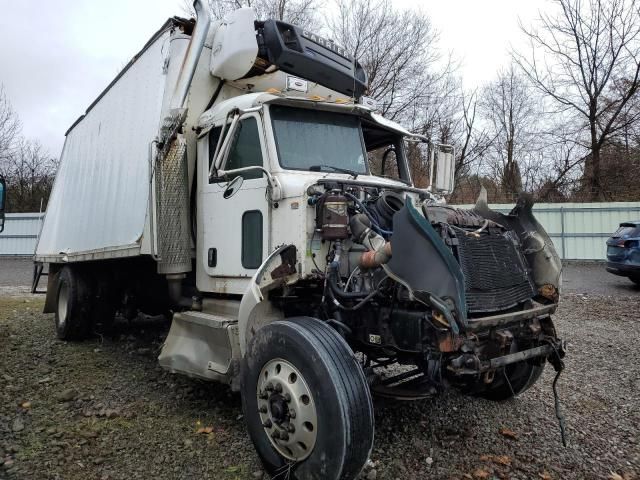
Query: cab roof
251, 100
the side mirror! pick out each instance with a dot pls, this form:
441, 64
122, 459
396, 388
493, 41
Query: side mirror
3, 198
233, 186
442, 168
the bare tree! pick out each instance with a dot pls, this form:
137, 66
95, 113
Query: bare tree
298, 12
471, 140
29, 172
397, 49
589, 46
9, 127
450, 119
510, 112
457, 123
27, 168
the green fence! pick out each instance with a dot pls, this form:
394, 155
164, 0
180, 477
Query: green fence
580, 230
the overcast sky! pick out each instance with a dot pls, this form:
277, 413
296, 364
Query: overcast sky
56, 56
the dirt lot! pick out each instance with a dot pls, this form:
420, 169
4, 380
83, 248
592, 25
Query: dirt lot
103, 409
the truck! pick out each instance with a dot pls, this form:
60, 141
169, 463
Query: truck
235, 177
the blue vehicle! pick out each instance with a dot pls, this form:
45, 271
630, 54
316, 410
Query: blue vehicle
623, 251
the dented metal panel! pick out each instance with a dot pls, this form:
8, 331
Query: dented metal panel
201, 345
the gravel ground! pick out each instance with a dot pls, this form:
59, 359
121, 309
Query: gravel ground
103, 409
592, 278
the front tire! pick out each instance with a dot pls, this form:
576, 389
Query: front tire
306, 401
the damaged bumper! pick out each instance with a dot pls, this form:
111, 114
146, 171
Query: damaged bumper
497, 341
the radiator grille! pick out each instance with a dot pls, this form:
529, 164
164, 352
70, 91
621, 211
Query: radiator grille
495, 275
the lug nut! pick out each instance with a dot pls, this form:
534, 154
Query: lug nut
292, 413
278, 388
269, 387
267, 423
287, 397
275, 434
291, 428
284, 436
263, 409
263, 395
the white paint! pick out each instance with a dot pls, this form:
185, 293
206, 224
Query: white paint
234, 48
101, 191
220, 219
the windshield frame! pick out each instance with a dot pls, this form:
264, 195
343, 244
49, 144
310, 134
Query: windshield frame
328, 170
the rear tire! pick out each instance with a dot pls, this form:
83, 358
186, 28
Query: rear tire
303, 365
73, 297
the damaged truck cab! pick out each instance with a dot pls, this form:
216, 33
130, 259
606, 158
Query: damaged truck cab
235, 177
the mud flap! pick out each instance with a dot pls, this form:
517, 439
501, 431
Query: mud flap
422, 263
538, 248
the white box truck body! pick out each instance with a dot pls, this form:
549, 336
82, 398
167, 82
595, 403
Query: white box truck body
99, 207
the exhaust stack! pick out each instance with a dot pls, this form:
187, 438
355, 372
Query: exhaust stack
198, 36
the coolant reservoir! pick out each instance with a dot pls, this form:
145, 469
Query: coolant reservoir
332, 218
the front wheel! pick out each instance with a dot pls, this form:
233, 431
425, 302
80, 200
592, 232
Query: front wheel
306, 401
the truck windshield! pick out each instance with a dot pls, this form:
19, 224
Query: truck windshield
322, 140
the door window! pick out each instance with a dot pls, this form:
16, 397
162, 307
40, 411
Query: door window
246, 150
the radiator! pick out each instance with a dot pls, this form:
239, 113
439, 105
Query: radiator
496, 276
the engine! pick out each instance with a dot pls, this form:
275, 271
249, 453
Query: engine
410, 281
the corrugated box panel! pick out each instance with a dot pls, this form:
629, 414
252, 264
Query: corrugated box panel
20, 233
580, 230
101, 192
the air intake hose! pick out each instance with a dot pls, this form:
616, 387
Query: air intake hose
379, 249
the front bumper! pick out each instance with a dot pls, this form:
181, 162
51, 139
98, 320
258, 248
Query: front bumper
493, 342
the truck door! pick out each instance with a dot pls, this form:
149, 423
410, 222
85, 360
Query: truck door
235, 229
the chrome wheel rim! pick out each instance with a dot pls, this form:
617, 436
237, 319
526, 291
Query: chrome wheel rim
287, 409
63, 305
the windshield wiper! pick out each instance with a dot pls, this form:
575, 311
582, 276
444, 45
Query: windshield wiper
319, 168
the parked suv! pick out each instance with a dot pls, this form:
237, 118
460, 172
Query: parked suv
623, 251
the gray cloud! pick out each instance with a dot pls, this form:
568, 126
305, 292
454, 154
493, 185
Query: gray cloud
57, 56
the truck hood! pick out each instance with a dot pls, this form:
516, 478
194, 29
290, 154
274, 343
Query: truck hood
294, 183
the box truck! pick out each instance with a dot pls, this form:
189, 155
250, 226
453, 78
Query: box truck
235, 177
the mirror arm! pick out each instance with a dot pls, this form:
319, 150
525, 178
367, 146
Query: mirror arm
274, 184
224, 145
